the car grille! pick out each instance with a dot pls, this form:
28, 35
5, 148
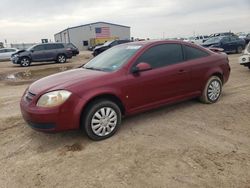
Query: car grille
29, 96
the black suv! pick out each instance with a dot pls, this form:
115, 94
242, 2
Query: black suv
107, 45
58, 52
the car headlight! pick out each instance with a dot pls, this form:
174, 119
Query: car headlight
54, 98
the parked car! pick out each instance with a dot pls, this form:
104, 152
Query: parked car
58, 52
228, 43
222, 34
73, 48
91, 48
122, 81
247, 38
107, 45
5, 53
198, 39
245, 58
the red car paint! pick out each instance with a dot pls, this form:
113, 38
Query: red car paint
136, 92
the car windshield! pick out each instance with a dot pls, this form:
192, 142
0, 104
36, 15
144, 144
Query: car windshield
112, 59
108, 43
30, 48
213, 40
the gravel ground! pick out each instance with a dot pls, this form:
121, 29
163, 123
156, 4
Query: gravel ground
183, 145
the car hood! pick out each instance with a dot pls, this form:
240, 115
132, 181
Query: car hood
64, 80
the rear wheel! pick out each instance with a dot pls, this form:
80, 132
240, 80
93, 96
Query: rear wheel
61, 58
101, 119
25, 62
212, 90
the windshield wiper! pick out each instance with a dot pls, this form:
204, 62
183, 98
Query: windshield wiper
93, 68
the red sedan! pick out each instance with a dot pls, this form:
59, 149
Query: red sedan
124, 80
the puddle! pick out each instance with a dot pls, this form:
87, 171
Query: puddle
32, 75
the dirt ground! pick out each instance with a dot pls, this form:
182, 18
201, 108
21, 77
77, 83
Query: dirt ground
184, 145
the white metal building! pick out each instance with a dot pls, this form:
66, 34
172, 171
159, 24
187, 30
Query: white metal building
83, 36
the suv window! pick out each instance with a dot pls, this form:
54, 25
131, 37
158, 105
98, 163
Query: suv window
2, 51
194, 53
39, 48
53, 46
162, 55
58, 46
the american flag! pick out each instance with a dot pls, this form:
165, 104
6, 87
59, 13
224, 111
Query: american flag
102, 32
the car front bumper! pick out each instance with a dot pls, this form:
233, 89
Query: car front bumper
56, 119
15, 59
245, 60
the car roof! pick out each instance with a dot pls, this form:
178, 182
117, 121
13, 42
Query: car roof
151, 42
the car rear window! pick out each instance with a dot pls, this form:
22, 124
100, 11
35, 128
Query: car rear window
194, 53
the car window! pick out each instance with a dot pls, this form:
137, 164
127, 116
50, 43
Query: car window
39, 48
162, 55
2, 51
226, 39
10, 50
234, 38
58, 46
114, 43
49, 46
194, 53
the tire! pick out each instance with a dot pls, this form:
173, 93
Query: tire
239, 49
61, 58
249, 67
212, 91
25, 62
101, 120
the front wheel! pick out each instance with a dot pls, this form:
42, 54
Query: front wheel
101, 120
25, 62
61, 58
212, 90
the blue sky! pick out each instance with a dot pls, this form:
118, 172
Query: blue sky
31, 20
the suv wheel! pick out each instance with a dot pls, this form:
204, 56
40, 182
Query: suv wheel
25, 62
101, 120
61, 58
212, 90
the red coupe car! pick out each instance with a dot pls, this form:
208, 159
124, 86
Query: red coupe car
124, 80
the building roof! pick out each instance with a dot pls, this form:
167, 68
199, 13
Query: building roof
93, 24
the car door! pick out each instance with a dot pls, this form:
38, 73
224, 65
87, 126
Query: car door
197, 59
168, 79
226, 44
37, 53
9, 52
2, 53
49, 52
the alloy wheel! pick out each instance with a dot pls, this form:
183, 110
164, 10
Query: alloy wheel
214, 90
104, 121
61, 59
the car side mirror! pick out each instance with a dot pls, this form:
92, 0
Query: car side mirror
141, 67
32, 51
